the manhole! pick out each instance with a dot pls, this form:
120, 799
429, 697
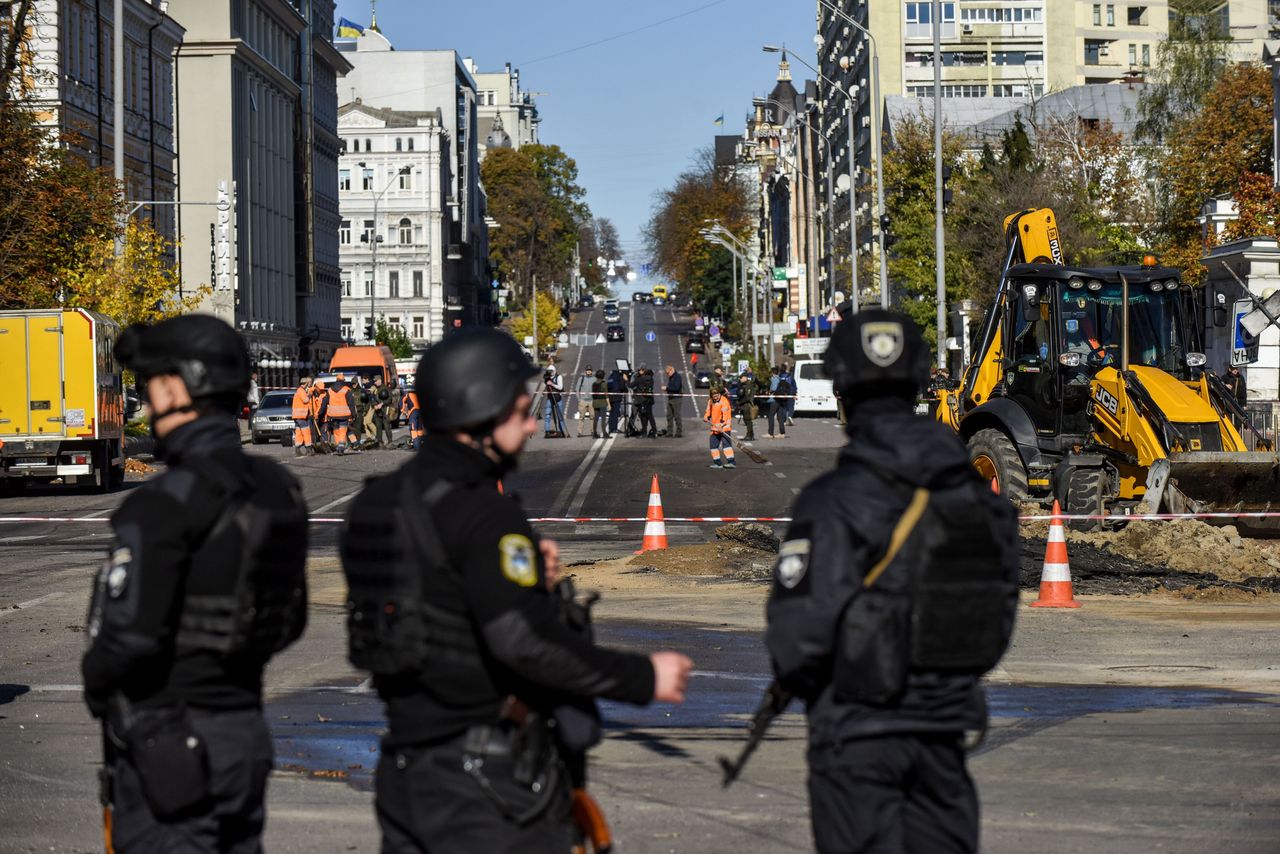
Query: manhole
1159, 668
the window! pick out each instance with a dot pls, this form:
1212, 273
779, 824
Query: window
367, 179
399, 144
344, 233
368, 283
419, 327
1133, 54
1137, 16
344, 179
345, 324
393, 287
411, 143
965, 90
355, 145
1111, 15
1092, 50
918, 13
406, 232
345, 277
1097, 15
417, 285
1146, 54
368, 145
369, 232
406, 180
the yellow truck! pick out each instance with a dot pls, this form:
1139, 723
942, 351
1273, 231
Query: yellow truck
62, 403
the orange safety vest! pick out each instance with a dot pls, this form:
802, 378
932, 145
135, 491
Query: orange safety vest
720, 414
302, 404
410, 404
339, 404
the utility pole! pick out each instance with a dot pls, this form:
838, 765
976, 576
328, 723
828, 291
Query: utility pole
534, 300
939, 238
854, 298
117, 109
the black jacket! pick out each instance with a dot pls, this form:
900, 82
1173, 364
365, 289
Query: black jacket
675, 384
158, 532
525, 647
847, 516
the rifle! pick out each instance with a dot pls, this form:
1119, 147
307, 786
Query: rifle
773, 703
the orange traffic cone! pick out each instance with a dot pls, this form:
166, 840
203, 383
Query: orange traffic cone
1055, 578
655, 529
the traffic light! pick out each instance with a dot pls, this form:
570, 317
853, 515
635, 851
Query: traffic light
889, 237
368, 331
946, 191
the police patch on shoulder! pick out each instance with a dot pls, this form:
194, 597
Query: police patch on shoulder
793, 563
883, 342
517, 559
118, 571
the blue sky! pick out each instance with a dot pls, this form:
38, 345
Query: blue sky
631, 110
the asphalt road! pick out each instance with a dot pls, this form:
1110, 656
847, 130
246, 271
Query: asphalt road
1131, 725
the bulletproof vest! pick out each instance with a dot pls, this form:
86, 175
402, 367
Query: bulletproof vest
936, 601
246, 590
399, 578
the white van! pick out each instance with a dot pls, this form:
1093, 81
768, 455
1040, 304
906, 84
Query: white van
814, 392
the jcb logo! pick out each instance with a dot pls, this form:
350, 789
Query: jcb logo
1107, 399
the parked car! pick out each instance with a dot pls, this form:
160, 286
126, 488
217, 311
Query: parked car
612, 316
615, 332
814, 392
703, 379
695, 343
586, 302
273, 419
641, 296
658, 302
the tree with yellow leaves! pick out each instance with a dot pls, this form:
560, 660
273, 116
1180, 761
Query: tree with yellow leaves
142, 286
548, 322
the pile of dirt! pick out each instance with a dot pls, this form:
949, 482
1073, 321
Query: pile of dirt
137, 467
726, 561
751, 534
1184, 545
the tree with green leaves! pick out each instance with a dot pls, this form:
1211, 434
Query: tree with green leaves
394, 337
1188, 63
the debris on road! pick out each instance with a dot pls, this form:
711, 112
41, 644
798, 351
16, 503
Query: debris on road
133, 466
721, 561
752, 534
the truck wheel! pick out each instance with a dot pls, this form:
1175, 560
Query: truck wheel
995, 457
1087, 496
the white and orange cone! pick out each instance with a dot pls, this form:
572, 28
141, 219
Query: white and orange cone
655, 529
1055, 578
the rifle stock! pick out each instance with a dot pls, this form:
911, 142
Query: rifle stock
773, 703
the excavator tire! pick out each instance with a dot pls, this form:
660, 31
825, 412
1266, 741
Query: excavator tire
994, 456
1086, 496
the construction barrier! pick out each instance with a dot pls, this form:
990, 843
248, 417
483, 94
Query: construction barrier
1055, 576
655, 528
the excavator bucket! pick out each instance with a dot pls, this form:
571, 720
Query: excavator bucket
1216, 482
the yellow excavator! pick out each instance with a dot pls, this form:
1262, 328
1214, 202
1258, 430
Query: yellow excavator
1089, 385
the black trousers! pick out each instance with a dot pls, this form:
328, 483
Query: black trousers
777, 412
674, 425
900, 794
615, 412
240, 759
648, 427
427, 803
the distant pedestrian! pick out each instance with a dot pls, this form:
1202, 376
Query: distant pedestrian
356, 431
717, 379
338, 413
553, 415
302, 417
380, 405
747, 405
675, 400
411, 413
617, 395
600, 407
582, 391
776, 411
644, 403
254, 397
719, 416
787, 391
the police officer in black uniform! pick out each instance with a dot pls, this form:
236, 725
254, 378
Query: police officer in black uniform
894, 591
205, 582
450, 608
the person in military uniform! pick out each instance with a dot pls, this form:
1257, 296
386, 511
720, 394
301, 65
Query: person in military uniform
894, 591
204, 583
451, 609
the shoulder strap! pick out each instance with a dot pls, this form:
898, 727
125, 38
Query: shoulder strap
422, 533
906, 524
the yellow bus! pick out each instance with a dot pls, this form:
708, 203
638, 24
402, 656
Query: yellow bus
659, 291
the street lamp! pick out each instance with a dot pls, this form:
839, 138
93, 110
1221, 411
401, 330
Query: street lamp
376, 239
876, 142
853, 193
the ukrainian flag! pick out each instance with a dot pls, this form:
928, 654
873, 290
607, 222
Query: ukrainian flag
719, 120
348, 30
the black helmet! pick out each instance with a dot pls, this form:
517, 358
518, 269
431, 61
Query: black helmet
471, 377
877, 353
204, 352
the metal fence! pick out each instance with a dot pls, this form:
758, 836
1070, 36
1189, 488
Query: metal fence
1263, 414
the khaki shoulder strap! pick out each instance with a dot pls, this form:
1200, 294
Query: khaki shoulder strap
902, 530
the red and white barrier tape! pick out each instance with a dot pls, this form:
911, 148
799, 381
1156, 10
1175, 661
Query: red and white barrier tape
552, 520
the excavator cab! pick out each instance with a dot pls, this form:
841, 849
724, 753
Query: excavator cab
1088, 386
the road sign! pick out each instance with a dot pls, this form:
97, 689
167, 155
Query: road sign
1244, 349
528, 340
833, 316
777, 329
650, 337
600, 338
743, 366
810, 346
779, 274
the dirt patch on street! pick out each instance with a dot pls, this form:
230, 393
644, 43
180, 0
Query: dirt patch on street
729, 561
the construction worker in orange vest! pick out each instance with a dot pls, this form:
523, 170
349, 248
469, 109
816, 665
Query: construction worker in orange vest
338, 412
412, 413
302, 417
720, 416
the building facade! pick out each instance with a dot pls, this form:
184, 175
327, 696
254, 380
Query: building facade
393, 180
426, 81
508, 115
74, 62
257, 167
